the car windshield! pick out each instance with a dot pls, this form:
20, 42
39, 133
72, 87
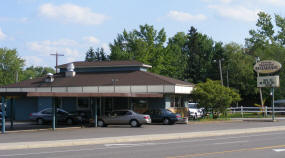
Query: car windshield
168, 111
193, 105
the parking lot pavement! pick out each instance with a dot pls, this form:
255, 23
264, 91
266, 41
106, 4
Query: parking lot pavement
115, 131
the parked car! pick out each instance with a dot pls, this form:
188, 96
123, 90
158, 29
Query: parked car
45, 115
163, 115
194, 111
124, 117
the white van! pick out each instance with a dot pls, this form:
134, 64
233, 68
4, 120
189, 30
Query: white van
194, 111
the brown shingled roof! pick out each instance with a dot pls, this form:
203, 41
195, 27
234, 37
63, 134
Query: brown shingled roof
101, 79
104, 64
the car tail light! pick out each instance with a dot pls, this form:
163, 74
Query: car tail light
31, 114
146, 117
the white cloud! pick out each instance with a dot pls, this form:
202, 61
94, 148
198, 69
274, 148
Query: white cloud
237, 13
92, 40
273, 2
106, 47
2, 35
34, 60
72, 14
185, 17
63, 46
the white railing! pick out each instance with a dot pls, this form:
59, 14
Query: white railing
265, 110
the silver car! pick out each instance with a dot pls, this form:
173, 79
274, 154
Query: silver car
124, 117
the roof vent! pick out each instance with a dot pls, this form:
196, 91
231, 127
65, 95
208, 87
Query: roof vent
49, 78
70, 70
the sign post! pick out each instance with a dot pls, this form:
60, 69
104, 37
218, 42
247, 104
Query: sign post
268, 67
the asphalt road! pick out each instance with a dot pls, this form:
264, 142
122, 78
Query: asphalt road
83, 133
261, 145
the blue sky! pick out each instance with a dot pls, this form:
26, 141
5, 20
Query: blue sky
37, 28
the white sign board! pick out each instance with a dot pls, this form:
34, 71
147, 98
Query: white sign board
268, 81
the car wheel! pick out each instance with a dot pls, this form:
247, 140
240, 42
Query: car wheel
69, 121
166, 121
40, 121
134, 123
101, 123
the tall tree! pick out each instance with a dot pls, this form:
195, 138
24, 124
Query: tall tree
98, 55
199, 49
145, 45
268, 43
175, 58
10, 65
90, 55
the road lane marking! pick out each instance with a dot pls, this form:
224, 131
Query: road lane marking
278, 150
137, 144
226, 151
245, 141
141, 144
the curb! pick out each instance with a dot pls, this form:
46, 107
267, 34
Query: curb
41, 129
138, 138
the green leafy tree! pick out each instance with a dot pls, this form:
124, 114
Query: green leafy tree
10, 65
144, 45
34, 72
268, 43
214, 97
240, 68
200, 51
175, 58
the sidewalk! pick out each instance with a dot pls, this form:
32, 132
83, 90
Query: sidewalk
136, 138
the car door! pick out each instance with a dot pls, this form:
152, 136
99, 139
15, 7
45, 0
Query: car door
61, 115
46, 114
111, 118
121, 118
156, 115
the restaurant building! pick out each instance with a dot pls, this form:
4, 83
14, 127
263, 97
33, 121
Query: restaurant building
96, 88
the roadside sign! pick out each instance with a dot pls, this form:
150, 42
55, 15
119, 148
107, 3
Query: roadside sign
268, 81
267, 66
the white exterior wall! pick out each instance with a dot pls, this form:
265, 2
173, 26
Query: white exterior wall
173, 89
45, 89
94, 89
139, 89
59, 89
155, 89
106, 89
75, 89
183, 90
123, 89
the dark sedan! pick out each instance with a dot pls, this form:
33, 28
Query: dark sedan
162, 115
45, 115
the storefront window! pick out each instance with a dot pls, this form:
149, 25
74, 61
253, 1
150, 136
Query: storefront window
83, 104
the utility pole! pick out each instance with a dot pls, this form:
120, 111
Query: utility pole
221, 73
56, 58
257, 59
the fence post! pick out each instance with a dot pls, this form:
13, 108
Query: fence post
265, 111
241, 110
